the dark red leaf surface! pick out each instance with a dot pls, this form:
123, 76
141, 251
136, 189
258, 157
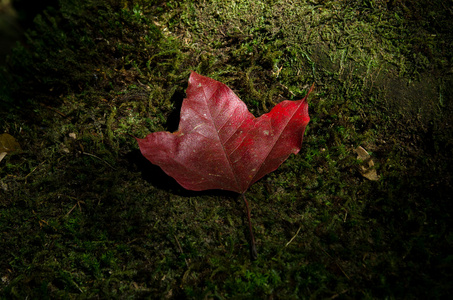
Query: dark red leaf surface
220, 144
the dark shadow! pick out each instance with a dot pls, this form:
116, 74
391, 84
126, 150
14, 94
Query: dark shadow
28, 9
173, 118
151, 173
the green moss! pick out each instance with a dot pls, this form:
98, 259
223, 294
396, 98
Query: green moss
84, 215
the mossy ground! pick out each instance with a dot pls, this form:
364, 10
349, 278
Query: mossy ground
84, 215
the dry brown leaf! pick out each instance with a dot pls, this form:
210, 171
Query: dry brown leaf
367, 167
8, 144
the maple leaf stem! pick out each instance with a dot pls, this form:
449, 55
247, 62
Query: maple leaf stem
253, 252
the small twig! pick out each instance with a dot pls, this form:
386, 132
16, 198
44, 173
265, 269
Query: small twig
54, 110
89, 154
292, 239
253, 251
33, 170
67, 214
75, 205
338, 265
180, 249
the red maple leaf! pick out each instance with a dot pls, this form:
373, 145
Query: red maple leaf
220, 144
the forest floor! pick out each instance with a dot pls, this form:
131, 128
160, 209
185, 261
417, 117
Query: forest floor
84, 215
